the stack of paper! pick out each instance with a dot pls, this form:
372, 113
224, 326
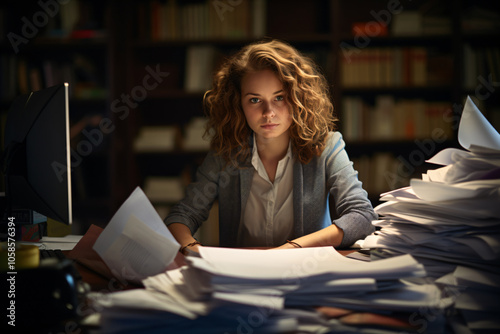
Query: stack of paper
194, 133
274, 291
156, 139
303, 277
450, 220
476, 297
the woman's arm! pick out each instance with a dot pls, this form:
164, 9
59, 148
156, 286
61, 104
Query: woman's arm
188, 214
328, 236
183, 235
352, 211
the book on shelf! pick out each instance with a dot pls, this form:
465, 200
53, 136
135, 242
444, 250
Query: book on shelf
480, 63
390, 119
440, 68
480, 20
407, 23
259, 17
21, 75
369, 28
74, 19
193, 139
167, 138
29, 77
200, 63
436, 25
377, 172
163, 189
416, 23
69, 15
156, 139
387, 67
173, 19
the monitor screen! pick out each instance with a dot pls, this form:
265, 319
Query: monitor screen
37, 164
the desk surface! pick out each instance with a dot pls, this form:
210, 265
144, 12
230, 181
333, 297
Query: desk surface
63, 243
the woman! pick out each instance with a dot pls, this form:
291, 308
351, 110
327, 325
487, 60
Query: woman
275, 162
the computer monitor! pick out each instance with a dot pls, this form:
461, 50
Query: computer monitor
37, 161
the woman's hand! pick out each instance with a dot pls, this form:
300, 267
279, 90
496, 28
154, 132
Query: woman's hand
329, 236
192, 251
189, 245
285, 246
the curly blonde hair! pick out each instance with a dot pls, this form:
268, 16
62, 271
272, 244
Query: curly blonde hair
307, 96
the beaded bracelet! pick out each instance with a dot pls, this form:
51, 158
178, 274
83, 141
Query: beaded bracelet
294, 244
190, 245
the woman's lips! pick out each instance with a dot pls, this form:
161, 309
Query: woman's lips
269, 126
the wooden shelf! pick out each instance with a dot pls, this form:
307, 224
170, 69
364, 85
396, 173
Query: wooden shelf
176, 95
147, 45
406, 91
400, 41
232, 42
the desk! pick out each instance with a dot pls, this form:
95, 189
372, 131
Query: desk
66, 243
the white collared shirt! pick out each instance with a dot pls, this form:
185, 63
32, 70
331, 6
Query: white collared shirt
268, 214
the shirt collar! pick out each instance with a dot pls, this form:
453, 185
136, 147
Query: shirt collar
257, 162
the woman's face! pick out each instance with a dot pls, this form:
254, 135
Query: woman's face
264, 105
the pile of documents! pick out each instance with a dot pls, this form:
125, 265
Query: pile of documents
450, 222
277, 291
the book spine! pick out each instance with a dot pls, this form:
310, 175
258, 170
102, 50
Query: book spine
174, 19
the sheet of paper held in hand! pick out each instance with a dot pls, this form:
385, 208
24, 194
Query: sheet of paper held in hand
136, 243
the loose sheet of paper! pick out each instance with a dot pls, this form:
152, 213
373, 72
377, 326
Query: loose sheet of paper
475, 133
433, 191
136, 243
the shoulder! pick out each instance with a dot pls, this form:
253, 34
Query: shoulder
215, 165
334, 156
334, 146
211, 163
334, 143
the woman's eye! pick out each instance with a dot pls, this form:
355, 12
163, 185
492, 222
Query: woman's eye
279, 98
254, 100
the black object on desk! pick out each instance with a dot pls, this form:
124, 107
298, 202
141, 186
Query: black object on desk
46, 296
52, 254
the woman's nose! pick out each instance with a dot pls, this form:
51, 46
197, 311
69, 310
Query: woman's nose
268, 111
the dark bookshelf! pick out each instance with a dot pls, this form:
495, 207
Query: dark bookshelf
38, 50
125, 50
